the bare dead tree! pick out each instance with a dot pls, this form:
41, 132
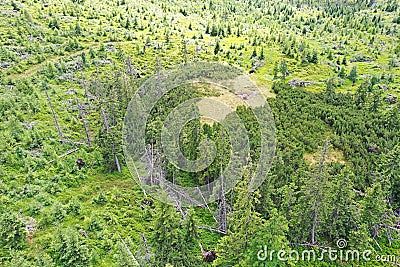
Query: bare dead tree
152, 158
222, 210
184, 50
209, 228
85, 87
106, 123
179, 207
147, 256
60, 133
81, 115
68, 141
130, 69
159, 179
222, 205
84, 122
129, 251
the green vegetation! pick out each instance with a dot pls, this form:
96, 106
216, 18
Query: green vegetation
68, 69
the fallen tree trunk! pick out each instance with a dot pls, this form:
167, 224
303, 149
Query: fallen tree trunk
65, 154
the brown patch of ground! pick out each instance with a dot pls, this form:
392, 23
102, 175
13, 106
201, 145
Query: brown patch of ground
333, 155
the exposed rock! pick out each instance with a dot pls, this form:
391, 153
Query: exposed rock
30, 224
361, 58
148, 202
299, 83
5, 65
199, 48
102, 62
383, 87
30, 125
70, 92
110, 48
243, 96
374, 149
391, 99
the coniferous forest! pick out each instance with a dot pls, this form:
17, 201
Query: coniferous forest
329, 71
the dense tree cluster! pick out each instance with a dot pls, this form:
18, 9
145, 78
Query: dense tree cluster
68, 69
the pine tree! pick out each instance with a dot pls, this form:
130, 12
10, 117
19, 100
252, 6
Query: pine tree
217, 48
275, 70
330, 91
123, 253
214, 30
78, 29
353, 74
190, 239
229, 30
342, 205
342, 73
361, 94
389, 168
247, 229
344, 62
283, 68
312, 208
208, 29
375, 211
314, 57
92, 53
69, 249
167, 236
127, 23
376, 100
84, 58
262, 54
254, 54
12, 231
173, 243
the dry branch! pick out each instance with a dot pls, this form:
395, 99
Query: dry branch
212, 229
65, 154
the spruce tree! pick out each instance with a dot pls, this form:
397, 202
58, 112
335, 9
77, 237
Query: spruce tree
353, 74
217, 48
248, 230
173, 239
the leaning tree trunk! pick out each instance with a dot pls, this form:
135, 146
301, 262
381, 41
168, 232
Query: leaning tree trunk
54, 117
85, 126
